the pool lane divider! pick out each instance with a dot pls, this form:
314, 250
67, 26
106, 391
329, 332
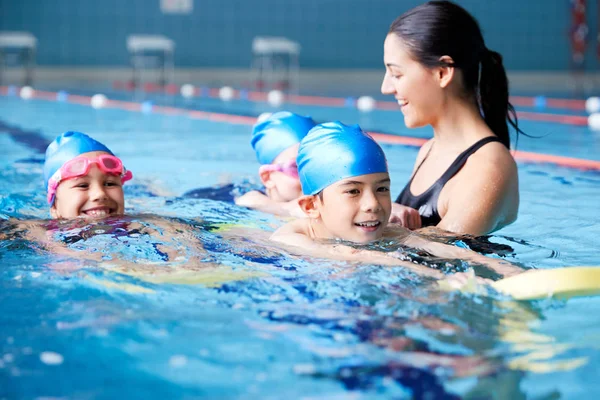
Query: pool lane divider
385, 138
539, 102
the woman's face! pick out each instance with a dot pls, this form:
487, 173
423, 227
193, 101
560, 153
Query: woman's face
415, 87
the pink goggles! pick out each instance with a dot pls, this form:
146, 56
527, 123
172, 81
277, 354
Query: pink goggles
289, 168
80, 166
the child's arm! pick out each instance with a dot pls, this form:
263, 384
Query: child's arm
296, 234
36, 232
258, 201
501, 267
175, 239
172, 232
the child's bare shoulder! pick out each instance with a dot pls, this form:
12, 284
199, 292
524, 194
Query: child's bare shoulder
396, 231
252, 199
297, 226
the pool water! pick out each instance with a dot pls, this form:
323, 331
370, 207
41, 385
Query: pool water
207, 307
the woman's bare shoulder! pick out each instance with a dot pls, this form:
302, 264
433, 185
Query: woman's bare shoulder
494, 159
425, 149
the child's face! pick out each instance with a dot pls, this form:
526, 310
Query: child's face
281, 186
355, 209
95, 195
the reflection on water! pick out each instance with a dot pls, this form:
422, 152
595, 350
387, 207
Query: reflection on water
163, 293
186, 297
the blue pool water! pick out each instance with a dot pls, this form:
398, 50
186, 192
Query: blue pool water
233, 316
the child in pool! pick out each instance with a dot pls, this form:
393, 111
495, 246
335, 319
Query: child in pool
346, 186
84, 185
275, 141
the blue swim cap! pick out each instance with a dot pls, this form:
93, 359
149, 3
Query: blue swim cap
66, 147
278, 132
333, 151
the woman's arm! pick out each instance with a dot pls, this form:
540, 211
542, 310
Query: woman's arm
483, 197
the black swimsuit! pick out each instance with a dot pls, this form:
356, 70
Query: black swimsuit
427, 202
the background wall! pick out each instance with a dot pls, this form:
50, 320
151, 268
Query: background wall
334, 34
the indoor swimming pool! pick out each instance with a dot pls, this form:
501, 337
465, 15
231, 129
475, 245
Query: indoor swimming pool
233, 316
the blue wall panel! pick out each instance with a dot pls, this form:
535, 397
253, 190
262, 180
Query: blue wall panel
531, 34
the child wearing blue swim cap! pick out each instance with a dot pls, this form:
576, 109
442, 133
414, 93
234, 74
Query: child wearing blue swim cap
83, 178
346, 196
275, 141
345, 185
84, 184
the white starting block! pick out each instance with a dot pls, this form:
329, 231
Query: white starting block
22, 45
144, 48
275, 62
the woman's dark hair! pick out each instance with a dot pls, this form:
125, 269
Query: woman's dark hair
442, 28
